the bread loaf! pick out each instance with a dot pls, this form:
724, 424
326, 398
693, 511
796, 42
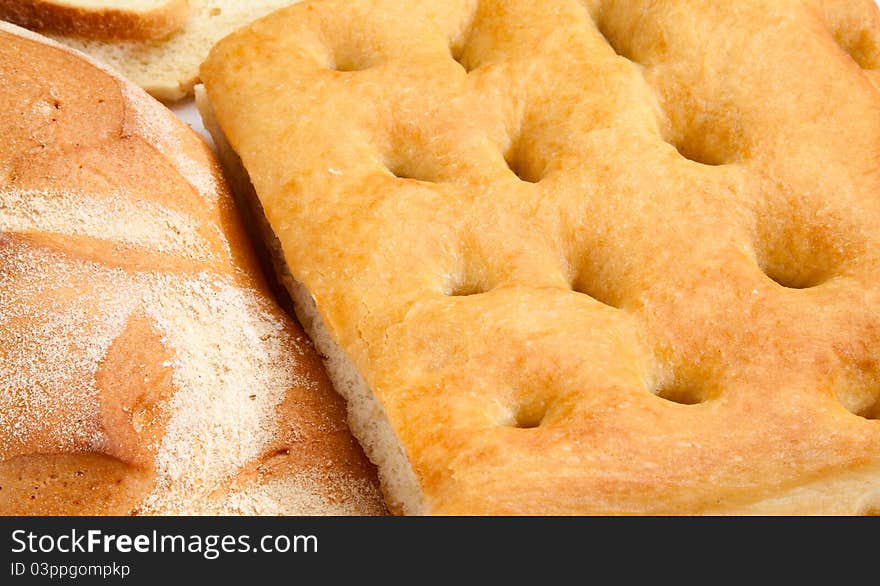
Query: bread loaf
144, 365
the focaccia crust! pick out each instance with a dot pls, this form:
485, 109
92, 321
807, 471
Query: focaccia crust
590, 257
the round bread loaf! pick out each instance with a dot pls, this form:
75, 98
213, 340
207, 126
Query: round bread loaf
145, 367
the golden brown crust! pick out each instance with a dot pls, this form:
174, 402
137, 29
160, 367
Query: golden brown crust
108, 23
609, 257
71, 484
145, 366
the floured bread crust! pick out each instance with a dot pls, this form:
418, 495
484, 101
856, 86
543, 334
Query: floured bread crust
145, 366
588, 257
366, 416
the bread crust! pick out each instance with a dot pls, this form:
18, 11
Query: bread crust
167, 68
614, 257
104, 23
147, 368
399, 485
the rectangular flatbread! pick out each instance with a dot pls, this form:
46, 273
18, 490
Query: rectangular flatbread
580, 257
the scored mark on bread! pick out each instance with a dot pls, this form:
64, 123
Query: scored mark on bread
153, 124
49, 352
116, 216
211, 410
296, 494
128, 368
226, 344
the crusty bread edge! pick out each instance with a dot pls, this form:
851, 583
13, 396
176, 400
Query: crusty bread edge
106, 24
366, 416
26, 33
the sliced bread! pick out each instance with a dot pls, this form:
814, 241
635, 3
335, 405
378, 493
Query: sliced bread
136, 20
168, 68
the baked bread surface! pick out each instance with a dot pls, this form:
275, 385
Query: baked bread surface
114, 20
589, 257
168, 68
144, 365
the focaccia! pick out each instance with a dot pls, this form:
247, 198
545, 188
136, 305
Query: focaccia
580, 257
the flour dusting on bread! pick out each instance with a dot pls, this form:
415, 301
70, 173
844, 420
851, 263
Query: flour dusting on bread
118, 217
138, 353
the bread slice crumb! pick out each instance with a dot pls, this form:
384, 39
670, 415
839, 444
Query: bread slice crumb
169, 68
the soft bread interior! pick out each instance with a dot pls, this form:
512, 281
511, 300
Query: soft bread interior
168, 68
366, 416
